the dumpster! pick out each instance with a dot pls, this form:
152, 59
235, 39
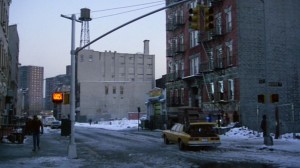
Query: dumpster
65, 127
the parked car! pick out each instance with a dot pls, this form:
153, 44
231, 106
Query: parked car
143, 117
48, 120
199, 134
55, 124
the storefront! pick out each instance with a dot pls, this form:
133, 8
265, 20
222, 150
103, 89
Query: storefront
156, 109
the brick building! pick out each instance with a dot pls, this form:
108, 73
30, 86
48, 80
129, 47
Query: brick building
237, 51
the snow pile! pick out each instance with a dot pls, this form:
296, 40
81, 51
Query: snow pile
112, 125
243, 132
246, 133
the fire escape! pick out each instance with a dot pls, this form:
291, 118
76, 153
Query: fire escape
213, 63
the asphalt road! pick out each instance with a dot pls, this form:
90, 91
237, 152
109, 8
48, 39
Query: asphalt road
133, 148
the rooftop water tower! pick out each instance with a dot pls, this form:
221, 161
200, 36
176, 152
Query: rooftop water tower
85, 31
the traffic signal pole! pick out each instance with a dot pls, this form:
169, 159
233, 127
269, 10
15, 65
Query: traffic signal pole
72, 151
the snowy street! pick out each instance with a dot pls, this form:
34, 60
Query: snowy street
132, 148
121, 144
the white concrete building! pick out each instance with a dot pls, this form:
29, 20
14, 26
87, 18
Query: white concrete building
112, 84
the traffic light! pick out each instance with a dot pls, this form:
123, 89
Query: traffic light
274, 98
194, 18
261, 98
209, 18
57, 97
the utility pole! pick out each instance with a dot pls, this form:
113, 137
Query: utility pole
72, 152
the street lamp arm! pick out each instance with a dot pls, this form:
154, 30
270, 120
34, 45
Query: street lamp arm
64, 16
127, 23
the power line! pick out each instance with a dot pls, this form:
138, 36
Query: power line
122, 7
126, 6
127, 11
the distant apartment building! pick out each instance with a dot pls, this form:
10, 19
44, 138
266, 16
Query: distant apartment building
235, 58
5, 62
31, 79
113, 84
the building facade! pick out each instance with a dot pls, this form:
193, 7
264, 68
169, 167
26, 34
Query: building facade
31, 79
5, 61
229, 54
12, 91
113, 84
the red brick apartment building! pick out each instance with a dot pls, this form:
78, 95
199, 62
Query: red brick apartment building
233, 58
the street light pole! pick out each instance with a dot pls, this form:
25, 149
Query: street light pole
72, 151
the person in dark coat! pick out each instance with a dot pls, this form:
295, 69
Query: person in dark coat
36, 128
263, 125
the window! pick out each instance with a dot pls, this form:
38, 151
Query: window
171, 97
114, 90
181, 43
175, 41
81, 58
176, 69
194, 66
219, 57
176, 97
230, 89
193, 4
229, 53
212, 91
228, 19
221, 90
182, 68
218, 23
174, 127
90, 58
121, 90
210, 55
194, 38
182, 96
106, 90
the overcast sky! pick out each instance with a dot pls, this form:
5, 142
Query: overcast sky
45, 37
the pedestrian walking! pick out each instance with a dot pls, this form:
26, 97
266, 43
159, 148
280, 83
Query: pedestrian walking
36, 128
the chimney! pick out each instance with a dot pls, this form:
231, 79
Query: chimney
146, 47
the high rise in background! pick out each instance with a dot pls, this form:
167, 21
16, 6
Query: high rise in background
236, 60
31, 79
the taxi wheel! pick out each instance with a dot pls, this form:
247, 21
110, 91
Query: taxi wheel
166, 141
181, 145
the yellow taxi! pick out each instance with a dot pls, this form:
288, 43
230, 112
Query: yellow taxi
198, 134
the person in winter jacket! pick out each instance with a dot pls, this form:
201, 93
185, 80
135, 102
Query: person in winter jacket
36, 128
